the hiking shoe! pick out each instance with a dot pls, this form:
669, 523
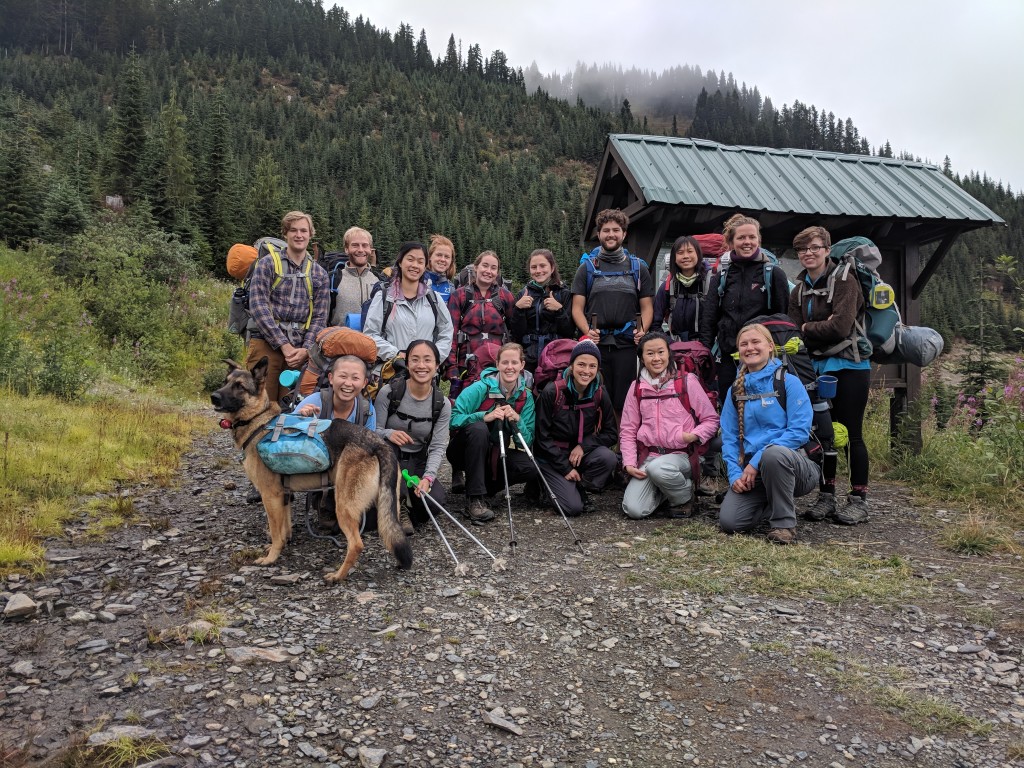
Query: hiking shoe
405, 521
253, 495
710, 486
479, 512
458, 481
531, 491
824, 506
782, 535
680, 511
854, 512
589, 507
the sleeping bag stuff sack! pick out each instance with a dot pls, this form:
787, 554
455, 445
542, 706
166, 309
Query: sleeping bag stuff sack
295, 445
914, 344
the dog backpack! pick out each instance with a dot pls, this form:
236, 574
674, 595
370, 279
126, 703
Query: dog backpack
295, 445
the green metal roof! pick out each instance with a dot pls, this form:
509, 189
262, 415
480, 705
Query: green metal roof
695, 172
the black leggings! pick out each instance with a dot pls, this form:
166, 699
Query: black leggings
848, 408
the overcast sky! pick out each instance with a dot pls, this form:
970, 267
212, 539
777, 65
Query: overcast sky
934, 77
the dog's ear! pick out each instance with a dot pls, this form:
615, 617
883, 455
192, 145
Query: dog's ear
231, 364
259, 372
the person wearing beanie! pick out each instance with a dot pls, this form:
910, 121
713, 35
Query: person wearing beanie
611, 290
576, 429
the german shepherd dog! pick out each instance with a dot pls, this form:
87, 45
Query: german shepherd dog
363, 466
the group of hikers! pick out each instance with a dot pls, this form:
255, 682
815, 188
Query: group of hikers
605, 382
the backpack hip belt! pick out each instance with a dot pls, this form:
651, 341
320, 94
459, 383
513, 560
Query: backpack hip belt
661, 450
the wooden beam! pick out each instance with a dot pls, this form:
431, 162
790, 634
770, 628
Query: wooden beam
933, 264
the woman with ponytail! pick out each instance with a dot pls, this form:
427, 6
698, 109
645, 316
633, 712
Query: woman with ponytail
766, 420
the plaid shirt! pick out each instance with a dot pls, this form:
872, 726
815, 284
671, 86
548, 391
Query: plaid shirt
288, 303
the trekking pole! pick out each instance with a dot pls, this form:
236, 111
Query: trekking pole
593, 321
508, 493
413, 480
638, 322
551, 494
460, 569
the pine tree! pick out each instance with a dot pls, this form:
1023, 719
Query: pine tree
178, 175
129, 127
64, 213
267, 199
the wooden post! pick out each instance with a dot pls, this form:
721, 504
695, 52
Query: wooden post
906, 432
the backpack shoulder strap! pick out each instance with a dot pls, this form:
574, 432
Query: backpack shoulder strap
396, 394
432, 301
634, 265
722, 272
386, 304
362, 408
779, 378
326, 403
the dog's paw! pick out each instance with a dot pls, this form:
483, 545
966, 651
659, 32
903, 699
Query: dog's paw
269, 559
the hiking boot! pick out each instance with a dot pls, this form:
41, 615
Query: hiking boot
589, 507
710, 485
824, 506
478, 511
531, 492
405, 521
854, 512
680, 511
253, 495
458, 481
782, 535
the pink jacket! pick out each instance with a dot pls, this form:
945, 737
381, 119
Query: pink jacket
661, 421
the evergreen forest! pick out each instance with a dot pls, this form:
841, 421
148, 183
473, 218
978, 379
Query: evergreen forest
206, 119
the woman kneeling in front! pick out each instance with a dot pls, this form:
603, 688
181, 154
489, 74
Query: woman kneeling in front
766, 420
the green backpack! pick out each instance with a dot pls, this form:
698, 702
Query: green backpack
881, 316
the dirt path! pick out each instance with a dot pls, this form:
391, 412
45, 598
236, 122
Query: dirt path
563, 659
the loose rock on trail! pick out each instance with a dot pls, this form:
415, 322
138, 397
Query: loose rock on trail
162, 633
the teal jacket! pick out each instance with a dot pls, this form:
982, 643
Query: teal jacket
468, 405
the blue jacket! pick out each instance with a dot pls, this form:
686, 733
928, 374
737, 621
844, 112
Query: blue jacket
764, 421
467, 406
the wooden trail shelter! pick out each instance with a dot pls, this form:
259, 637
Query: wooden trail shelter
671, 186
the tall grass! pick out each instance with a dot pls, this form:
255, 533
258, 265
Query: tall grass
971, 459
52, 453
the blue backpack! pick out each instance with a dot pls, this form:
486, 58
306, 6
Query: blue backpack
295, 445
590, 261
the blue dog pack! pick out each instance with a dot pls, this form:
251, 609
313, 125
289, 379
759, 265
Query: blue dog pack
295, 445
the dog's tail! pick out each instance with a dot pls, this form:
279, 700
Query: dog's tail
388, 497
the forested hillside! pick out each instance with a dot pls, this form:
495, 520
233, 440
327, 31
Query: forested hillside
211, 118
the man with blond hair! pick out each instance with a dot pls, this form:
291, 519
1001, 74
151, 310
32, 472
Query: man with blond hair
289, 301
354, 281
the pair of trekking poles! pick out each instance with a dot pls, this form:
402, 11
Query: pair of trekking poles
498, 564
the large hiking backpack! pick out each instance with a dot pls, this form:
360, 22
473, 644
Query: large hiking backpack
553, 360
331, 343
862, 258
693, 357
589, 260
239, 314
